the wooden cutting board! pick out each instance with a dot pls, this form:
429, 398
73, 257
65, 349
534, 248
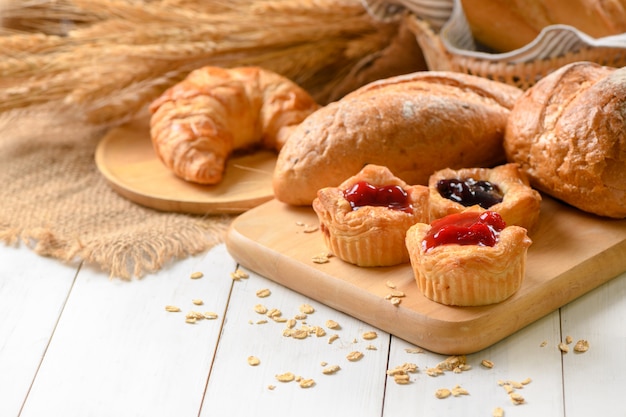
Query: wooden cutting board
125, 157
572, 253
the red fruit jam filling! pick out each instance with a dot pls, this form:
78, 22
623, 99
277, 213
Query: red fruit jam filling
470, 192
469, 228
365, 194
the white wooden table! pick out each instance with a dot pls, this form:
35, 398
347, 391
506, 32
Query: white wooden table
75, 343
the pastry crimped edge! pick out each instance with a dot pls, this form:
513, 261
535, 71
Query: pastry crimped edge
520, 205
370, 236
469, 275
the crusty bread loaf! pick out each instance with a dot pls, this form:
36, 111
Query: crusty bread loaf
568, 133
505, 25
413, 124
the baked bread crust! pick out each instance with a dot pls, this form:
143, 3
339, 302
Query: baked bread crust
568, 134
520, 205
371, 235
197, 123
469, 275
413, 124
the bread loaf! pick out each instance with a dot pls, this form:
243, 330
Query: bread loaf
413, 124
505, 25
568, 134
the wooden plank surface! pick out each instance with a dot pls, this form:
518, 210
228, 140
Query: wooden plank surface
125, 157
33, 290
237, 389
117, 352
572, 253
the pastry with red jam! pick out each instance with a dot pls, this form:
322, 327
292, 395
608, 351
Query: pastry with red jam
503, 189
364, 220
470, 258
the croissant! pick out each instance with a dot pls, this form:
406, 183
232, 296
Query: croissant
196, 124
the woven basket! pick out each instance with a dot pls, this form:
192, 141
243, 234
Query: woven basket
520, 74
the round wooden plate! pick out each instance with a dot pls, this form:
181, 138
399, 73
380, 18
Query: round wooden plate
125, 157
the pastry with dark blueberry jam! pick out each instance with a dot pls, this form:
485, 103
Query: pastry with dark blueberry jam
470, 258
364, 220
503, 189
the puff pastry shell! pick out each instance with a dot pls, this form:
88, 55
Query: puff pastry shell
469, 275
370, 235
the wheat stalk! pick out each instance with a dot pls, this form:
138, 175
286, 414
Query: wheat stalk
106, 59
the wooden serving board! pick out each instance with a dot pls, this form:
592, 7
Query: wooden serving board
572, 253
125, 157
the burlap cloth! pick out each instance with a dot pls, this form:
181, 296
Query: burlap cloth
55, 201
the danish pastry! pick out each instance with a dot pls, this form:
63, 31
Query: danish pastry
364, 220
197, 123
468, 259
503, 189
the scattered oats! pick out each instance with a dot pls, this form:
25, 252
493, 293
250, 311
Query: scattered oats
331, 370
434, 371
319, 331
498, 412
273, 313
306, 383
323, 363
271, 387
401, 379
332, 338
298, 378
354, 356
370, 347
442, 393
414, 350
397, 294
322, 258
487, 363
261, 321
458, 390
172, 309
291, 323
403, 369
516, 398
263, 293
544, 343
331, 324
190, 320
395, 301
370, 335
196, 275
253, 361
508, 388
300, 316
581, 346
526, 381
515, 384
209, 315
286, 377
197, 302
390, 284
279, 319
568, 339
453, 362
563, 347
260, 308
196, 315
239, 274
299, 334
306, 309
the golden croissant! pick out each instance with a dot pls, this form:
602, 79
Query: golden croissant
197, 124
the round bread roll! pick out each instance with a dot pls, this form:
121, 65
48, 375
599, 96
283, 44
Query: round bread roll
413, 124
568, 134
